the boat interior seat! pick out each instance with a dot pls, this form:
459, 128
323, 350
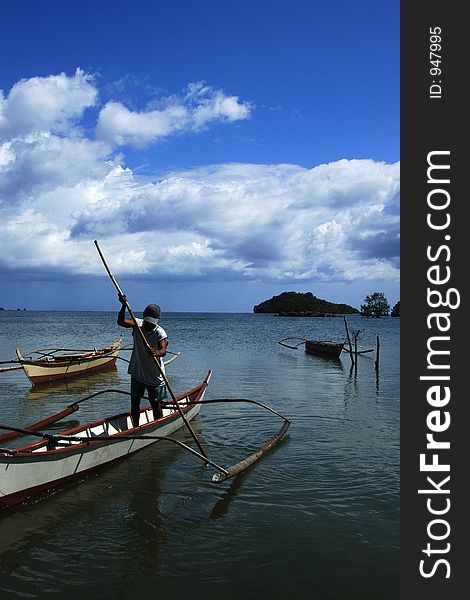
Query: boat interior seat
121, 422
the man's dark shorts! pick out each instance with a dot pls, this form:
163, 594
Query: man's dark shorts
155, 392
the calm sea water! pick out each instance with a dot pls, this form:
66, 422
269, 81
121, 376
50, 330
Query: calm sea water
318, 517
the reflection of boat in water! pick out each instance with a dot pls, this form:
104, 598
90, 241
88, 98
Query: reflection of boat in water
329, 364
51, 364
82, 385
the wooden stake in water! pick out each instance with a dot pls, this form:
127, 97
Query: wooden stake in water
349, 340
356, 334
377, 355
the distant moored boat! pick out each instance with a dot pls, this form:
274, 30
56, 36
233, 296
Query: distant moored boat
320, 347
324, 347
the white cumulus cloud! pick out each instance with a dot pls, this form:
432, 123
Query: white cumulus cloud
193, 111
60, 189
47, 104
235, 222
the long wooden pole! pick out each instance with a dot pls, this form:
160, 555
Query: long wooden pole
247, 462
156, 361
355, 352
377, 355
5, 369
349, 340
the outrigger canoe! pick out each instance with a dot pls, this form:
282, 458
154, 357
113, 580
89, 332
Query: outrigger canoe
319, 347
44, 366
324, 348
58, 459
38, 467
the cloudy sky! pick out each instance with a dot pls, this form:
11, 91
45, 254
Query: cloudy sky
221, 154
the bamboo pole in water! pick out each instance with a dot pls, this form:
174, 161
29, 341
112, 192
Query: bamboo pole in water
355, 353
377, 355
4, 369
349, 340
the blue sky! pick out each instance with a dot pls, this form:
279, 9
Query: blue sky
220, 152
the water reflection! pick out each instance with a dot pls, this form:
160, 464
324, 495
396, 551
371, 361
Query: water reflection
85, 385
222, 505
89, 503
118, 534
332, 362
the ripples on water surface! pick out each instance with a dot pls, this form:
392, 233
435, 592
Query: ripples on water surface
318, 517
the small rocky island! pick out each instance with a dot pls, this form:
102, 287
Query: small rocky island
297, 304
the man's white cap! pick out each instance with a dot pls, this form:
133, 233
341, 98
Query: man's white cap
151, 320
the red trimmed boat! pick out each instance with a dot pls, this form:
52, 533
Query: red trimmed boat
56, 460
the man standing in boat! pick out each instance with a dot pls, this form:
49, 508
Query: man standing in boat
142, 368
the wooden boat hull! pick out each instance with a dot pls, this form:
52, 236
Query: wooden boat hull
42, 371
323, 348
35, 469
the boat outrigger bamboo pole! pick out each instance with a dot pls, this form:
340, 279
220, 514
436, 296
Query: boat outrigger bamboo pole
56, 439
68, 410
5, 369
157, 362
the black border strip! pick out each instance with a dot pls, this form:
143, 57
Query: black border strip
432, 122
